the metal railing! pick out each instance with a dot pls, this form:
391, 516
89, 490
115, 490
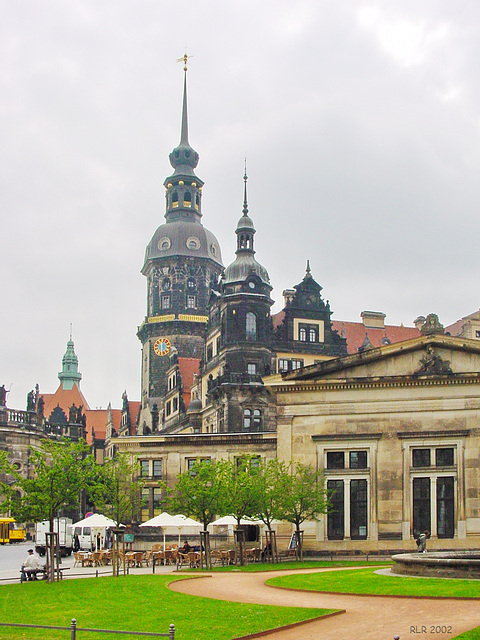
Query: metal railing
74, 629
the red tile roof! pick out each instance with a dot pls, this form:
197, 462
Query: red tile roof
188, 367
355, 333
456, 328
63, 398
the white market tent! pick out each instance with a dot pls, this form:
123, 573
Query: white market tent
95, 521
98, 525
165, 520
231, 521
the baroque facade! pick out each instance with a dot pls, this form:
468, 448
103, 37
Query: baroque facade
389, 413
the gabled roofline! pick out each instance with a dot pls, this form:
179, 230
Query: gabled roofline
381, 353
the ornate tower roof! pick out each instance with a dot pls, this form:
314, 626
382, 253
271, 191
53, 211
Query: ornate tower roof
245, 264
70, 375
183, 233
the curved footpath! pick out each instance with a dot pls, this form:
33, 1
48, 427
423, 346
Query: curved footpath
365, 617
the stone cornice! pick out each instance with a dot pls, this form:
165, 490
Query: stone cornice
369, 356
375, 383
198, 440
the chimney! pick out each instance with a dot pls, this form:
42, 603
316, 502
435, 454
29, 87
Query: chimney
288, 295
419, 322
373, 319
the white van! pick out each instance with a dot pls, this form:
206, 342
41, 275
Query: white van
62, 526
86, 538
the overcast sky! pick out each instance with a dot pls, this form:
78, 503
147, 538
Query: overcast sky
360, 122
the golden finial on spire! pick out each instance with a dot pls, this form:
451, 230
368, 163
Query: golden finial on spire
184, 59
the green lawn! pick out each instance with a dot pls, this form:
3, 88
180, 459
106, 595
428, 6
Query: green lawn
367, 582
307, 564
138, 603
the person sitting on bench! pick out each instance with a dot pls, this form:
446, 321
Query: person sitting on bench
30, 567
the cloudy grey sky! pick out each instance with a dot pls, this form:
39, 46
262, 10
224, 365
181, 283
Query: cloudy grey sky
360, 122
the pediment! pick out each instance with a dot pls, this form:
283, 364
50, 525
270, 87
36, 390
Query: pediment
432, 356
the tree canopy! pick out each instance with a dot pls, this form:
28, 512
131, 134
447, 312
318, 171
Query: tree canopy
60, 471
198, 493
117, 491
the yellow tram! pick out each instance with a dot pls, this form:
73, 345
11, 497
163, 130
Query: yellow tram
11, 531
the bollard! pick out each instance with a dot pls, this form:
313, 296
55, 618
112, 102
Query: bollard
96, 573
73, 628
153, 564
171, 632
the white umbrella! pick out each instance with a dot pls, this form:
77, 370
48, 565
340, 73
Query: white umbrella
188, 522
97, 520
230, 520
166, 520
98, 524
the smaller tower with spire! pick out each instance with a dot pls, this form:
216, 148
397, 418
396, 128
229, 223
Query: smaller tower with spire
238, 349
70, 375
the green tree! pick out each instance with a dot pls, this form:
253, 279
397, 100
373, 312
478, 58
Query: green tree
60, 472
199, 494
117, 491
241, 485
269, 481
302, 497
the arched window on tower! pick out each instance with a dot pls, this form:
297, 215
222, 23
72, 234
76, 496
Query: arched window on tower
251, 327
175, 199
187, 199
197, 202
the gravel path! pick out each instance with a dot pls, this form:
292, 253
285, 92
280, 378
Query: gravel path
365, 617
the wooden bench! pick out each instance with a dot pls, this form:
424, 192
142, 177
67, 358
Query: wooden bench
31, 574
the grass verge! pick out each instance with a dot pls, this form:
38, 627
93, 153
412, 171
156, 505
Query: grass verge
365, 581
287, 566
134, 603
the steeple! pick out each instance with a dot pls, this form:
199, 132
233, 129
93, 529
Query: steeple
245, 227
183, 187
245, 266
70, 375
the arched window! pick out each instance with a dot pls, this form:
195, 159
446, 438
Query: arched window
257, 420
197, 202
247, 420
312, 335
187, 199
302, 334
251, 327
175, 199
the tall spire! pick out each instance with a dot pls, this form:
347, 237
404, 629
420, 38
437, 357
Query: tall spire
245, 178
184, 134
183, 186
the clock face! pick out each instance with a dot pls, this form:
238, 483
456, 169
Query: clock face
161, 346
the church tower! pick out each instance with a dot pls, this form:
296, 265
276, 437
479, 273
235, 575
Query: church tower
182, 262
239, 342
